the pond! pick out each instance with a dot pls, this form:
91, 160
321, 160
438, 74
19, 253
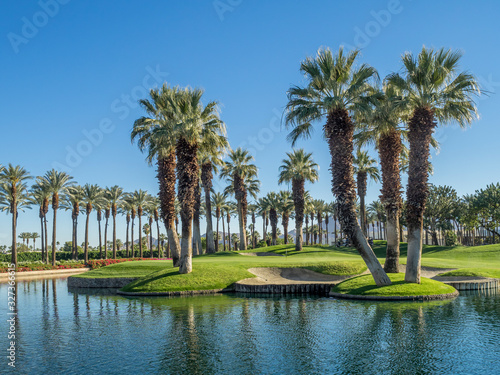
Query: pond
61, 331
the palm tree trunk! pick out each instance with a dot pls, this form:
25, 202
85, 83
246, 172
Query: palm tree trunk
42, 237
298, 203
389, 147
54, 237
420, 131
187, 176
13, 258
158, 240
241, 224
100, 235
76, 238
106, 239
339, 131
216, 239
131, 239
206, 178
114, 236
166, 178
228, 230
274, 225
126, 240
307, 229
86, 250
140, 236
196, 222
46, 260
150, 237
264, 234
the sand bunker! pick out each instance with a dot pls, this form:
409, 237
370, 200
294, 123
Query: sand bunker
282, 276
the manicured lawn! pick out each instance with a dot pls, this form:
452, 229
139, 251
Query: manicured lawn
138, 268
483, 272
365, 286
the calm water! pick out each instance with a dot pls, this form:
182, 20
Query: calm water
62, 331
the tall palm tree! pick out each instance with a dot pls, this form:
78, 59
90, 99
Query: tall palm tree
377, 209
364, 167
154, 204
230, 210
40, 196
219, 204
433, 91
319, 208
75, 198
140, 199
262, 207
114, 195
13, 192
93, 196
210, 160
126, 208
308, 208
237, 172
252, 208
58, 184
335, 90
154, 134
198, 128
273, 203
130, 201
106, 206
297, 169
381, 127
34, 236
286, 208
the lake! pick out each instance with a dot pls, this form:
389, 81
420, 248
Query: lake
61, 331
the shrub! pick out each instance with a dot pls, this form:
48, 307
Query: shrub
261, 243
450, 238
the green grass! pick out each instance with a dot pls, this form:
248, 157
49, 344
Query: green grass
482, 272
365, 286
220, 270
138, 268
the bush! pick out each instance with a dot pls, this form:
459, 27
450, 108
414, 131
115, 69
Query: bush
262, 243
450, 238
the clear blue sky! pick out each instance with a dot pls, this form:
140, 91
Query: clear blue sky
78, 67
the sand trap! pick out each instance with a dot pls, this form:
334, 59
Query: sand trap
262, 254
282, 276
429, 272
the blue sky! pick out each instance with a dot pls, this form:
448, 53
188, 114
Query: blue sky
72, 72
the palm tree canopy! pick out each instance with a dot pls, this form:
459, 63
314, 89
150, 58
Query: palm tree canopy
363, 163
93, 196
431, 80
298, 166
333, 83
240, 164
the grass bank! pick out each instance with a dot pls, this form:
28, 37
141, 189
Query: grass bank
365, 286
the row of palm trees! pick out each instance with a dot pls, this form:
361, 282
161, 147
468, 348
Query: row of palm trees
26, 236
60, 190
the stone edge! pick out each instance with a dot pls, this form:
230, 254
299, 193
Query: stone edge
175, 293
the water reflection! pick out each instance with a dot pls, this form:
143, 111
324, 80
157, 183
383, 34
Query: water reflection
92, 331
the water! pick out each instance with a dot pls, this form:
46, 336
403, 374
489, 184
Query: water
80, 332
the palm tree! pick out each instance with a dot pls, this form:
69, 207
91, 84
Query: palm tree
126, 208
146, 229
252, 208
273, 204
308, 208
140, 199
298, 168
286, 207
196, 221
230, 210
106, 205
74, 197
382, 129
198, 128
154, 204
377, 208
364, 167
263, 212
153, 132
335, 90
13, 193
433, 91
236, 171
319, 208
219, 204
58, 184
114, 195
40, 196
93, 196
34, 236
